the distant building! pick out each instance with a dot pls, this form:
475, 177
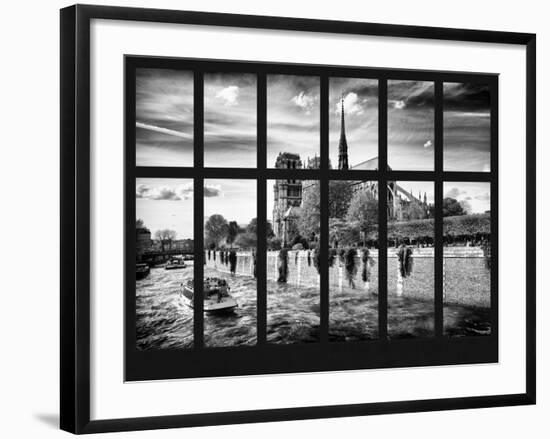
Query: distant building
343, 143
183, 245
143, 241
288, 194
287, 197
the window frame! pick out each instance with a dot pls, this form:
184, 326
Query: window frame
268, 358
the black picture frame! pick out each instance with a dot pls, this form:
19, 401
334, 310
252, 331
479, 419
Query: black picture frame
75, 217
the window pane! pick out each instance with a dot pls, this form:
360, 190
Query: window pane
466, 127
293, 120
410, 259
164, 259
292, 269
353, 132
353, 260
230, 120
164, 117
229, 274
411, 125
467, 258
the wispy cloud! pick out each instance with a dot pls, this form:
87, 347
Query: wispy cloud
304, 101
475, 197
173, 192
168, 131
229, 95
454, 193
467, 127
398, 104
292, 116
229, 120
164, 117
212, 191
466, 97
410, 125
353, 105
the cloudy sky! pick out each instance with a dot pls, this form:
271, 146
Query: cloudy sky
167, 203
234, 199
411, 125
292, 116
164, 117
230, 120
475, 196
361, 118
466, 122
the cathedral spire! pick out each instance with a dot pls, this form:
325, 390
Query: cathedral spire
343, 144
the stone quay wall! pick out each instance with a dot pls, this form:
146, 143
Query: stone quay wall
466, 279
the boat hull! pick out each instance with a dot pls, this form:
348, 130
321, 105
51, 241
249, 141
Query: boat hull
142, 273
211, 306
175, 267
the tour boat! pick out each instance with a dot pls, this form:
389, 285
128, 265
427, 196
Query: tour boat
216, 295
142, 270
175, 263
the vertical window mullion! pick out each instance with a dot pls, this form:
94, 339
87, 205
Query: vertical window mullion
438, 214
383, 209
261, 205
494, 208
324, 226
198, 205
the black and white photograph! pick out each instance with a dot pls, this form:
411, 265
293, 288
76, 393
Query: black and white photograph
164, 218
164, 258
467, 258
230, 263
353, 123
411, 125
280, 302
466, 127
353, 260
293, 258
411, 287
293, 120
229, 120
164, 117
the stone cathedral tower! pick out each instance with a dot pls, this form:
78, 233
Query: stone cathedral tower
287, 197
343, 144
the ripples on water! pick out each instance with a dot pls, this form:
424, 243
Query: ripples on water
161, 321
353, 314
293, 314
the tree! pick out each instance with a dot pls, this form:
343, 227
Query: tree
363, 211
140, 224
215, 230
309, 219
274, 244
252, 227
413, 212
451, 207
466, 207
233, 230
342, 233
246, 240
165, 236
340, 195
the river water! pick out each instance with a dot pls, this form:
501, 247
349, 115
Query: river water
293, 314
